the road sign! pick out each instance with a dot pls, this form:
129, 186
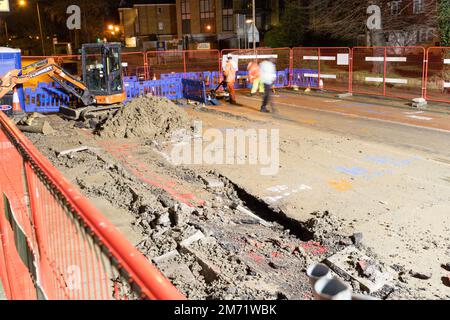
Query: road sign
4, 6
250, 33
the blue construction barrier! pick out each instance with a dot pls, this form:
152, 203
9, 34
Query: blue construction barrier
194, 90
299, 79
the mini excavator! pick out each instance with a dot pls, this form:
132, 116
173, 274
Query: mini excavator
101, 88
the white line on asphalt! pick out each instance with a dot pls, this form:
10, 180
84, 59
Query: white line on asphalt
420, 118
356, 116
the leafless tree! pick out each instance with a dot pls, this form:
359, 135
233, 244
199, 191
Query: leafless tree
347, 19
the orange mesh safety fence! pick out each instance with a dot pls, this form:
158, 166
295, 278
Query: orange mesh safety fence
331, 65
438, 74
54, 243
389, 71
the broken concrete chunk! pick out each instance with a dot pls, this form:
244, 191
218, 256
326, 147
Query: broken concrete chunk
420, 275
214, 183
163, 220
194, 238
209, 271
69, 151
357, 238
175, 270
351, 262
254, 216
167, 256
346, 242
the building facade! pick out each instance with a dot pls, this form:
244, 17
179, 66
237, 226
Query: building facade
410, 22
222, 23
149, 26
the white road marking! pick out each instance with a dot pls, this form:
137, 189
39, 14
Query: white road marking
356, 116
420, 118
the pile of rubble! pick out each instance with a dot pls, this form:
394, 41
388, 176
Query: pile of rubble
147, 117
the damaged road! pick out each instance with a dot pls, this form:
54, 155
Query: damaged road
204, 227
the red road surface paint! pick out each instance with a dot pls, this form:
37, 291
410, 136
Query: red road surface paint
144, 173
314, 248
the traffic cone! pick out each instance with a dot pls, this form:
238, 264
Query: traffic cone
321, 85
16, 102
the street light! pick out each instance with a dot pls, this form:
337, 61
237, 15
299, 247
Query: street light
23, 3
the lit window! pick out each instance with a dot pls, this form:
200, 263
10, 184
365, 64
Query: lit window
207, 16
160, 26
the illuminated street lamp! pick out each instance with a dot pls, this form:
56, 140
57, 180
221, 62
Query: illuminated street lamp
23, 3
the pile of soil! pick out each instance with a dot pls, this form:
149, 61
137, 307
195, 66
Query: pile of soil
146, 117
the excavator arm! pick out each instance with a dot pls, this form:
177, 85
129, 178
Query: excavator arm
55, 72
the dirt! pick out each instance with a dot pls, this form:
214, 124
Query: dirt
147, 117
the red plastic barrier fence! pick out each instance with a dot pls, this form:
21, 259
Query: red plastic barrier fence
389, 71
187, 61
401, 72
331, 65
438, 74
54, 244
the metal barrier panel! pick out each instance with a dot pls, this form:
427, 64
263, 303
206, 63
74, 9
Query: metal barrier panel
438, 74
389, 71
55, 244
327, 68
134, 65
165, 62
280, 56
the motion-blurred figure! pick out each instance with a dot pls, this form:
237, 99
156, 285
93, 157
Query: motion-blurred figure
268, 77
254, 75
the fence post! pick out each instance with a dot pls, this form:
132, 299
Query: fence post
384, 71
425, 73
291, 67
350, 70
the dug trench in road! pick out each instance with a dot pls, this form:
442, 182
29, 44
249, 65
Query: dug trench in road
387, 180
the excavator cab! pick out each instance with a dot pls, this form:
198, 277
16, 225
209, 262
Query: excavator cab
102, 72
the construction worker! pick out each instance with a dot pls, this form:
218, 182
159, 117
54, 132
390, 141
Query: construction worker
268, 77
229, 72
254, 78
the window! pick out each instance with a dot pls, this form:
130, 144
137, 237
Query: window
159, 10
227, 15
160, 26
185, 16
395, 8
418, 6
207, 22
